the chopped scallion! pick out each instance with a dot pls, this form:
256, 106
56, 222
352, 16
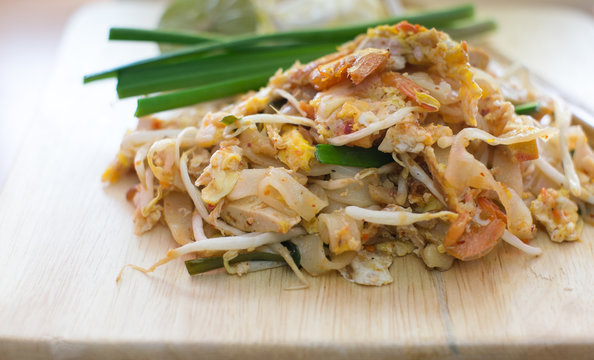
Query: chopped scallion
198, 266
202, 265
229, 119
352, 156
527, 108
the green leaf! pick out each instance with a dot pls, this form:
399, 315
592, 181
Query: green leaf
229, 119
228, 17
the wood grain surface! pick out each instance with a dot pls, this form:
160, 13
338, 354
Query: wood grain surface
64, 237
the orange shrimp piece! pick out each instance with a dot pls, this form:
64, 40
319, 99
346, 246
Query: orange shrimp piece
492, 210
411, 89
367, 62
356, 66
467, 240
457, 229
308, 109
406, 27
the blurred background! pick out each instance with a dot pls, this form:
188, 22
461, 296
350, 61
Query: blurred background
30, 32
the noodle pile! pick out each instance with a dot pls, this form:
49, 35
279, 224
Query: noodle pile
467, 170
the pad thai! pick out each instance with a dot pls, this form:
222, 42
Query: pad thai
401, 142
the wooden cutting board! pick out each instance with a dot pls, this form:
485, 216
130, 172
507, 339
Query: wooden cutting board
64, 237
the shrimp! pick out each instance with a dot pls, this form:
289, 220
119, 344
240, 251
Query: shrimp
412, 90
469, 240
356, 66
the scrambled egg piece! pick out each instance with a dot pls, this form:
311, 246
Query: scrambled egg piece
369, 268
211, 129
344, 108
298, 151
409, 136
116, 169
558, 214
222, 173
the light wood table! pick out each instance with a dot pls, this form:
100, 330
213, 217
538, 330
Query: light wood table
30, 32
64, 237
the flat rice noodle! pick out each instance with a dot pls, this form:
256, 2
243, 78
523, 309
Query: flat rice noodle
177, 211
508, 171
436, 169
340, 231
280, 190
247, 184
464, 170
313, 257
356, 194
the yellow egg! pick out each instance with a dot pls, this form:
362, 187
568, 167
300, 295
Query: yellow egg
298, 151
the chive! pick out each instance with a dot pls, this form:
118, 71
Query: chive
172, 37
153, 104
211, 70
198, 266
294, 251
434, 18
202, 265
462, 31
99, 76
236, 58
217, 75
527, 108
229, 119
351, 156
116, 71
